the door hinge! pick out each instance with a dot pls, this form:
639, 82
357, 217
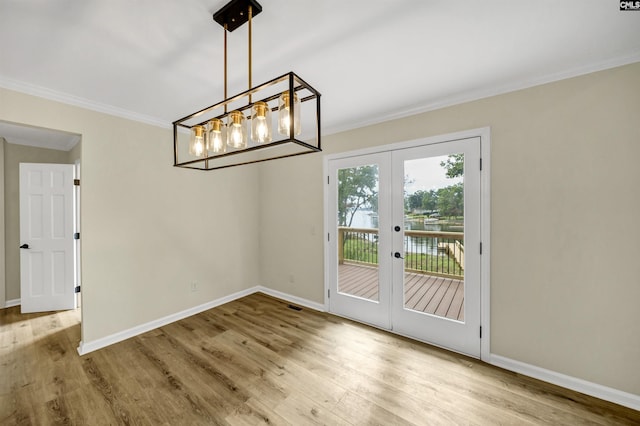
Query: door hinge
76, 182
481, 164
76, 236
328, 237
327, 180
480, 247
328, 293
481, 332
77, 289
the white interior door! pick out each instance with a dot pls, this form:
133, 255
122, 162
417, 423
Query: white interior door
436, 266
46, 235
404, 241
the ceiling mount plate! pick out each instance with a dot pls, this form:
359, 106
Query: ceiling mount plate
235, 13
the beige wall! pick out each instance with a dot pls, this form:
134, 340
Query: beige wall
149, 229
13, 156
2, 237
564, 233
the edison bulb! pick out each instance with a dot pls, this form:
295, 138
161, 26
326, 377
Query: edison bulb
215, 136
198, 143
284, 114
236, 133
261, 122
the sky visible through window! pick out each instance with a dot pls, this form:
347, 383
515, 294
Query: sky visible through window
426, 174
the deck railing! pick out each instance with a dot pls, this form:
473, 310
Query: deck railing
427, 252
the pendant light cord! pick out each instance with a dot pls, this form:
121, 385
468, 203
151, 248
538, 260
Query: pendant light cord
225, 66
250, 35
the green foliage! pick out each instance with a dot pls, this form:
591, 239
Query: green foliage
451, 200
430, 201
431, 263
454, 165
448, 201
361, 250
414, 201
422, 200
357, 189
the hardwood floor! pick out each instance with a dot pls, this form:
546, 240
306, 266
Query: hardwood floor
256, 361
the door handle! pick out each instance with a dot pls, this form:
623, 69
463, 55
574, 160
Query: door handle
397, 255
24, 246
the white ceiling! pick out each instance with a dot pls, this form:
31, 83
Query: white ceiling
372, 60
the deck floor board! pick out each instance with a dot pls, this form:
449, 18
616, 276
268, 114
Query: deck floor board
424, 293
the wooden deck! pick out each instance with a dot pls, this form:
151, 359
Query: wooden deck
425, 293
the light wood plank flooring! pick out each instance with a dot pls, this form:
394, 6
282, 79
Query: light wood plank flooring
257, 361
425, 293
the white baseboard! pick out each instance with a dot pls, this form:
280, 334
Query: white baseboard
86, 347
94, 345
589, 388
11, 303
293, 299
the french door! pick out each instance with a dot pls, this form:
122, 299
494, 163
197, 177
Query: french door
404, 241
360, 195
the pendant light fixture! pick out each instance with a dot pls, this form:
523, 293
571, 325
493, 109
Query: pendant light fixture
239, 129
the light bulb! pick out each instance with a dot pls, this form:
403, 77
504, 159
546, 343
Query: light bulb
261, 122
215, 137
237, 134
284, 114
198, 143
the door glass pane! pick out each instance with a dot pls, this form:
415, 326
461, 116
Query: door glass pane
434, 236
358, 231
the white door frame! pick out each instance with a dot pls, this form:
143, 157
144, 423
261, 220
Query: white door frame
77, 281
485, 214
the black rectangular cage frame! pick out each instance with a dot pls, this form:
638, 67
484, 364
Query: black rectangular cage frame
212, 162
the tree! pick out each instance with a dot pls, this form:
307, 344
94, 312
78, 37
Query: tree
451, 200
430, 201
422, 200
414, 201
454, 165
357, 189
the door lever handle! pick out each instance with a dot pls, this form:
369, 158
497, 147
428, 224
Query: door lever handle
24, 246
397, 255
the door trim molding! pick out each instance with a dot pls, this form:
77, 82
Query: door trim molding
484, 133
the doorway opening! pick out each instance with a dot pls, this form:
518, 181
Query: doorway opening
22, 143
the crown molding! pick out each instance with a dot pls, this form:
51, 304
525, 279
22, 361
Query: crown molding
475, 95
489, 92
65, 98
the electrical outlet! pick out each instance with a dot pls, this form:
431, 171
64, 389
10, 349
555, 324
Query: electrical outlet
194, 286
